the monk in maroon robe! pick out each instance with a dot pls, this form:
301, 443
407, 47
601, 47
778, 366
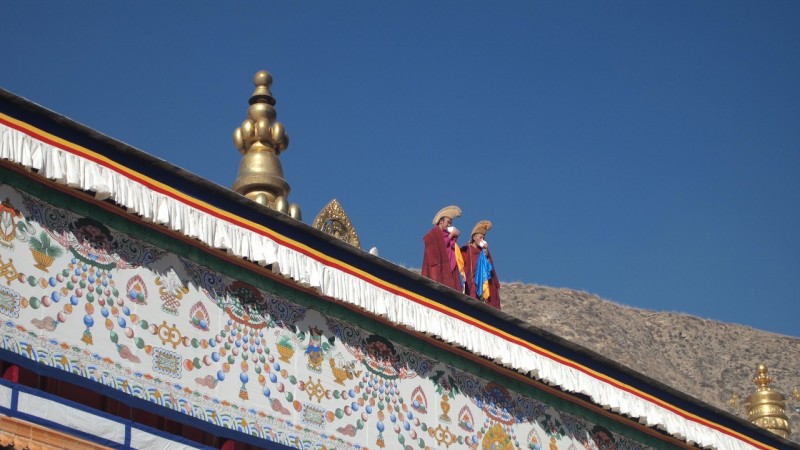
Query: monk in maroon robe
471, 252
439, 261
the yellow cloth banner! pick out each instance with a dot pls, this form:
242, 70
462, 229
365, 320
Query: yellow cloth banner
460, 265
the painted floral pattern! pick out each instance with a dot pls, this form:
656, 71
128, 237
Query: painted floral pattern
157, 326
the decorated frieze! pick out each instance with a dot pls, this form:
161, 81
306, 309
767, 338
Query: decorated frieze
136, 314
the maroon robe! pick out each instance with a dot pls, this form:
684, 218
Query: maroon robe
471, 253
436, 262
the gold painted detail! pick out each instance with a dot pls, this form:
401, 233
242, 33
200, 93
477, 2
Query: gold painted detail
43, 261
171, 335
496, 438
767, 408
445, 404
342, 372
443, 435
285, 349
333, 220
315, 390
24, 435
8, 271
261, 139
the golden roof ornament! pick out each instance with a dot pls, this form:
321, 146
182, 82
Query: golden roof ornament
767, 408
261, 139
333, 220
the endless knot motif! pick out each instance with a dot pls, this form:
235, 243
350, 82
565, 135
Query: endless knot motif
315, 390
8, 271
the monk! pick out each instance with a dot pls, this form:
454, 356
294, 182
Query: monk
440, 261
485, 286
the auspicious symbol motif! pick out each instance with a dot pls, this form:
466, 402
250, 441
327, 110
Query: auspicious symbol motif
167, 362
8, 271
137, 290
496, 438
333, 220
343, 370
419, 401
315, 390
44, 251
9, 302
171, 335
465, 420
200, 318
316, 349
443, 435
313, 415
171, 290
445, 386
285, 349
8, 222
535, 442
445, 404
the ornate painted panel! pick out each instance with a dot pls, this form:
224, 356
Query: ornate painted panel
159, 320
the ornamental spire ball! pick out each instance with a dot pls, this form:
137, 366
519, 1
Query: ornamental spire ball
261, 139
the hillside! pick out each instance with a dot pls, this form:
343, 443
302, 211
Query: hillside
706, 359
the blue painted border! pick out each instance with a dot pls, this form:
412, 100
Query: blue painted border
122, 397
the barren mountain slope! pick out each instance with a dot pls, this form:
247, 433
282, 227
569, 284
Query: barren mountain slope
708, 360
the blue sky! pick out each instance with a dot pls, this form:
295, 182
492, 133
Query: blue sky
647, 152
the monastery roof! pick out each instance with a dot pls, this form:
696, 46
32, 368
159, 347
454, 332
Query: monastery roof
145, 188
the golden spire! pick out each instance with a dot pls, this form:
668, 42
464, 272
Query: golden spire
261, 139
767, 408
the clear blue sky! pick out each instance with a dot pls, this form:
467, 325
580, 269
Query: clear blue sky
647, 152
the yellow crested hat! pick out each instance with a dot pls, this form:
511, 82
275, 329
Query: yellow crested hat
451, 211
482, 227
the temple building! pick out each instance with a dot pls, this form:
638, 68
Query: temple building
143, 307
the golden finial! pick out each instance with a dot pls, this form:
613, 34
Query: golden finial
767, 408
261, 139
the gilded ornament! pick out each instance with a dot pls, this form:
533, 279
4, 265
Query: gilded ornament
261, 139
333, 220
767, 408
